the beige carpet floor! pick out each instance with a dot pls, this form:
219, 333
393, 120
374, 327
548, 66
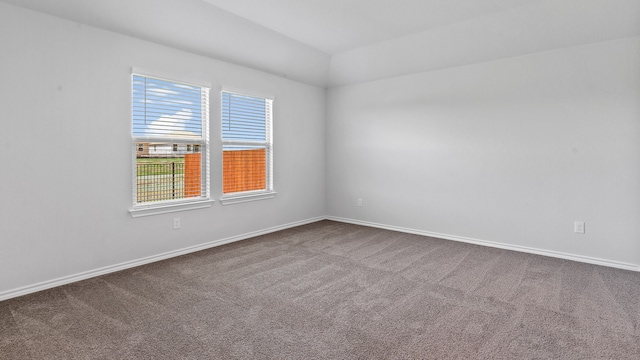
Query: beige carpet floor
330, 290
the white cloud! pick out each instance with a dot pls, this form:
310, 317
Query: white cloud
172, 125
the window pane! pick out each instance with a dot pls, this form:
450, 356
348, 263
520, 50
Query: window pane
243, 117
169, 128
244, 168
164, 174
164, 108
246, 139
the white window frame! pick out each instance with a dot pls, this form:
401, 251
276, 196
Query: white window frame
254, 195
168, 206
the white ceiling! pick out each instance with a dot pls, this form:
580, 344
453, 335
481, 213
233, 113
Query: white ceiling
342, 42
334, 26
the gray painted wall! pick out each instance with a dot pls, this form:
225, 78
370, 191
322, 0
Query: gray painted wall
510, 151
66, 150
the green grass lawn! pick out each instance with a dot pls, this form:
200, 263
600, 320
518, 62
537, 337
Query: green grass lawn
159, 166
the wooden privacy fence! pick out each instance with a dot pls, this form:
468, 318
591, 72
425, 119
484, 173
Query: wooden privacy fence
244, 170
192, 175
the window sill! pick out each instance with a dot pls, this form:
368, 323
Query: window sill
245, 197
148, 210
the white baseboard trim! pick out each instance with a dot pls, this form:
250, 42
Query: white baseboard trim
5, 295
524, 249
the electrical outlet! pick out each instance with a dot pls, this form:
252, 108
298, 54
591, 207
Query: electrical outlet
360, 202
176, 223
578, 227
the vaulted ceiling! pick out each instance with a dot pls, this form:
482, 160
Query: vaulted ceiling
341, 42
334, 26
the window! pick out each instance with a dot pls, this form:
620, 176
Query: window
171, 116
246, 145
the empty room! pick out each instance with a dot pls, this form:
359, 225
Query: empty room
305, 179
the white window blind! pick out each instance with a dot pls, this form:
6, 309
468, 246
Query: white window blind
168, 110
170, 133
247, 143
